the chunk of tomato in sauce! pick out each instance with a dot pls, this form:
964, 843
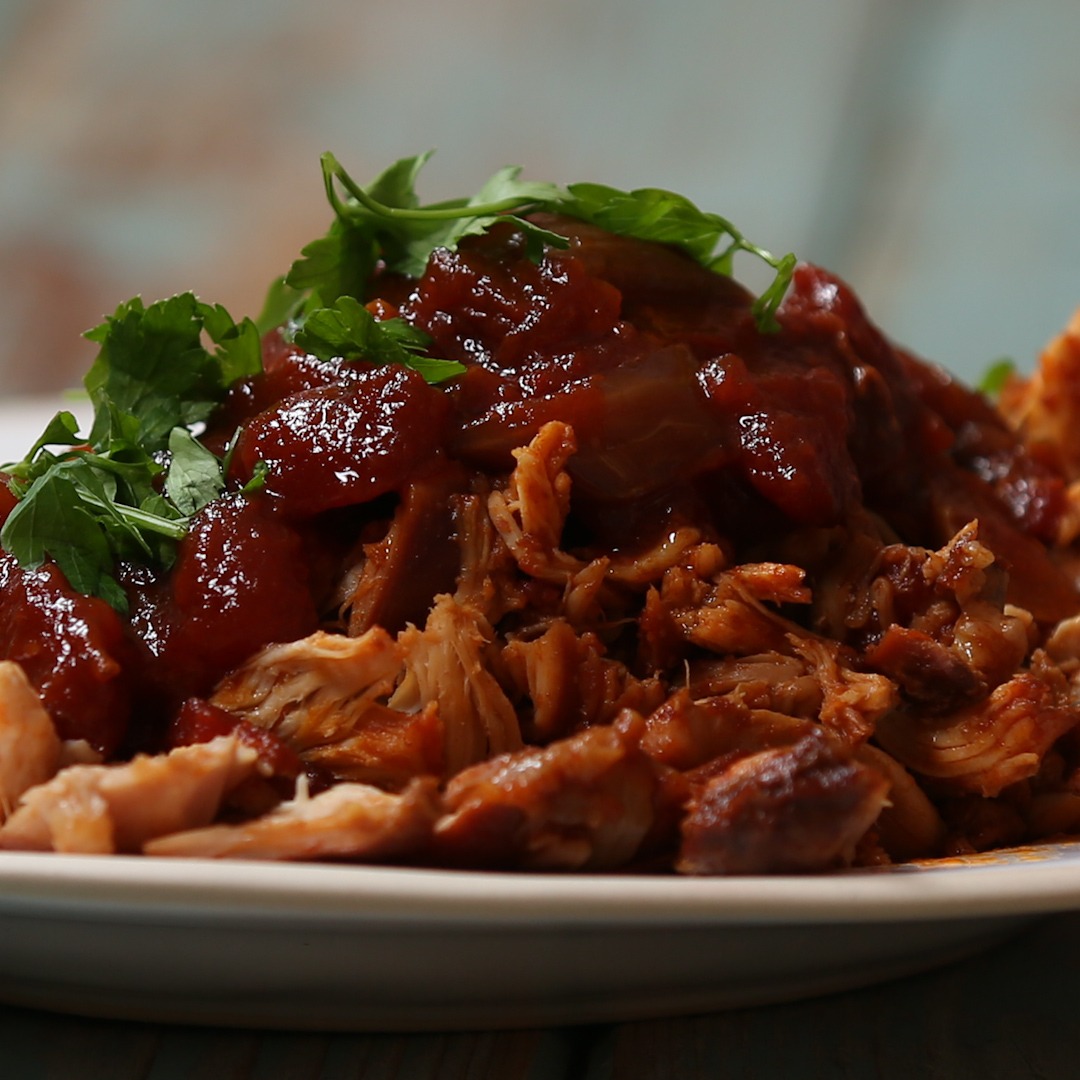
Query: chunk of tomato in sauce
346, 443
487, 303
287, 370
240, 582
74, 649
790, 426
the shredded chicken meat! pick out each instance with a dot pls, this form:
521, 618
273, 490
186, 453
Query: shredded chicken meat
647, 587
102, 809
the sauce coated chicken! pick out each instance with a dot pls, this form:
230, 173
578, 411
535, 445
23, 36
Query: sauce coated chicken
644, 587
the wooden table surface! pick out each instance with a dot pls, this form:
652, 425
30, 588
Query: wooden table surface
1006, 1014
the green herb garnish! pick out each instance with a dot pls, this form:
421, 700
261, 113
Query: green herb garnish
996, 376
348, 330
384, 222
128, 489
667, 218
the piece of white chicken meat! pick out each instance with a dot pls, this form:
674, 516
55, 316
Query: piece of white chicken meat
29, 746
107, 809
349, 820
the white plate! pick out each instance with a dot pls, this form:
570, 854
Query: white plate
361, 948
356, 948
22, 420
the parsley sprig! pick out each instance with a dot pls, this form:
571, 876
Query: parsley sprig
668, 218
384, 222
127, 489
996, 376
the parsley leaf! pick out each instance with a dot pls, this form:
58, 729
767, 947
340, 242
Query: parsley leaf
338, 264
996, 376
668, 218
127, 490
52, 520
350, 331
281, 306
194, 476
385, 221
152, 364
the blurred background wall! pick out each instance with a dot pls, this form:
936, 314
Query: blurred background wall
926, 151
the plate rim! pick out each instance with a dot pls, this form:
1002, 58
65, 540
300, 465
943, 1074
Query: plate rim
1029, 881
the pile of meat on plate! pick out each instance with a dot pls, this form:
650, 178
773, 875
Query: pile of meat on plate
646, 588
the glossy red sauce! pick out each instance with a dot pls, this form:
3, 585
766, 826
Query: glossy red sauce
344, 444
74, 649
241, 581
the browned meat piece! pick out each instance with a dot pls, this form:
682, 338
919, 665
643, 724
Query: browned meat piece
348, 821
852, 701
395, 580
936, 622
661, 638
976, 824
909, 826
571, 684
101, 809
313, 691
388, 749
1035, 583
530, 514
929, 672
684, 733
583, 803
727, 614
797, 809
775, 681
1053, 813
681, 545
487, 578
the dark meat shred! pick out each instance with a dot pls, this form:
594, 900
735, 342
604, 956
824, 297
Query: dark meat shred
784, 811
